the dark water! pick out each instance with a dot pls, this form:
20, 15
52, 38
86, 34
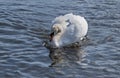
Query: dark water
25, 24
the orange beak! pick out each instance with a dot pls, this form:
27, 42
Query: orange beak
51, 36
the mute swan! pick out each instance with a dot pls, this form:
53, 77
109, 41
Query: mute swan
68, 29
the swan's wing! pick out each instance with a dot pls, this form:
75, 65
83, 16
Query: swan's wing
75, 30
70, 35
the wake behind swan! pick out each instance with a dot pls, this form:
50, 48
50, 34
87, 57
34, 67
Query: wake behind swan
68, 29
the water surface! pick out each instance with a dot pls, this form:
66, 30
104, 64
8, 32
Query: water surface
25, 24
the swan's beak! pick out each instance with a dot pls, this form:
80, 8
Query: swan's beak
51, 36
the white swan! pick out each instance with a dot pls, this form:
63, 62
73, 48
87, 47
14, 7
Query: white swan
68, 29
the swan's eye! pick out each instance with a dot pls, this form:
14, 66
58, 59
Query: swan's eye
56, 30
59, 31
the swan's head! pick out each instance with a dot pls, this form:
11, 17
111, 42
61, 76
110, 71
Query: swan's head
56, 30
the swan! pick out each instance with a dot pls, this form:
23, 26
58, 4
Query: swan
68, 29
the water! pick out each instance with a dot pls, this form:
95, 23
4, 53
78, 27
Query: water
25, 24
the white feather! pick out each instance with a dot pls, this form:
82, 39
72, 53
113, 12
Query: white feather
73, 29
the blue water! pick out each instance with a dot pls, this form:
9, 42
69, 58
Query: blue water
25, 24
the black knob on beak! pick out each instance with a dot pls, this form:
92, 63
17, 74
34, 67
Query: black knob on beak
51, 36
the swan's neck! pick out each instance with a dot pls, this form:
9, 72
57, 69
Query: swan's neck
57, 39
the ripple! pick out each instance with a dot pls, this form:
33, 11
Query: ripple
25, 24
22, 10
16, 41
4, 24
3, 31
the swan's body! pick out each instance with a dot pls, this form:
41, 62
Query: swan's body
68, 29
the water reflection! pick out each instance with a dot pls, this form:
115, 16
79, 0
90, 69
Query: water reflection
65, 56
